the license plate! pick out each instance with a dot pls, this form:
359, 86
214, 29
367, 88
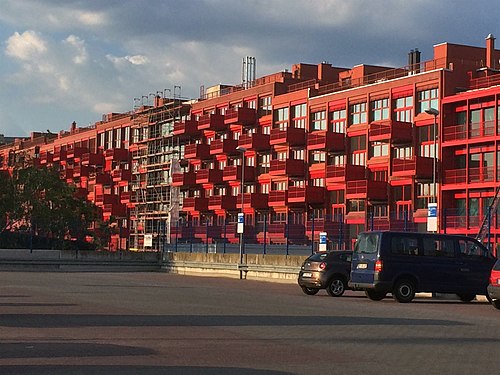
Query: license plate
307, 274
362, 266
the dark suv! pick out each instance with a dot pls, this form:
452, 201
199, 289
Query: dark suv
328, 270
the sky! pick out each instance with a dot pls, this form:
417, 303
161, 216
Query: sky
75, 60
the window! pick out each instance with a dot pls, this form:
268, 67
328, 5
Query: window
299, 116
317, 157
281, 118
318, 121
379, 109
357, 113
356, 205
320, 182
404, 245
403, 109
402, 193
264, 188
439, 247
265, 105
426, 139
296, 154
428, 99
424, 195
338, 121
264, 163
337, 196
358, 150
379, 149
405, 152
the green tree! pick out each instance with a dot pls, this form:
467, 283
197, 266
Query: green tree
8, 201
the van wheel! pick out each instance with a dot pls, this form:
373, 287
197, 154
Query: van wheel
496, 303
466, 297
404, 291
336, 287
310, 291
375, 296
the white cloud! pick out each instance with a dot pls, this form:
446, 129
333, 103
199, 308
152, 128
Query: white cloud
79, 46
25, 46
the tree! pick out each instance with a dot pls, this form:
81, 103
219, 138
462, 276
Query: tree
8, 201
48, 207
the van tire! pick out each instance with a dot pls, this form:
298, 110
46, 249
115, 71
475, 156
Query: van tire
336, 286
466, 297
375, 296
404, 291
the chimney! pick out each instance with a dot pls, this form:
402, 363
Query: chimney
410, 59
73, 127
416, 60
490, 51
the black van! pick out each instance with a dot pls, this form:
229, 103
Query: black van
403, 263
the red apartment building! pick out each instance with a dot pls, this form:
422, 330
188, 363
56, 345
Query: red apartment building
320, 149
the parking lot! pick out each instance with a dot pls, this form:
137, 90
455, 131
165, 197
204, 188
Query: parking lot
157, 323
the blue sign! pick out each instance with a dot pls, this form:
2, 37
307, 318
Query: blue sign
241, 218
322, 238
432, 210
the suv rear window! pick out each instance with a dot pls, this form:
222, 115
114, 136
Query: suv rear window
496, 267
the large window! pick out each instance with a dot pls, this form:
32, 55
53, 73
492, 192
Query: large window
338, 121
318, 120
316, 157
358, 150
379, 149
281, 118
426, 139
379, 109
357, 114
428, 99
265, 105
299, 116
403, 109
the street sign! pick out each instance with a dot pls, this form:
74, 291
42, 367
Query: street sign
322, 241
148, 240
241, 223
432, 219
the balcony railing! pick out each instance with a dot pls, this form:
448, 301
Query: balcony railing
185, 179
415, 166
194, 204
208, 176
290, 136
240, 115
91, 158
306, 194
253, 200
223, 146
367, 189
278, 198
225, 202
472, 131
394, 131
197, 151
328, 141
187, 128
474, 175
342, 173
290, 167
255, 141
213, 121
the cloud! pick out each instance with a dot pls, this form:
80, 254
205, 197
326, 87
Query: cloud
25, 46
79, 47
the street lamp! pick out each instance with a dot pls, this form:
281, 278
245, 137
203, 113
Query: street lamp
434, 112
241, 228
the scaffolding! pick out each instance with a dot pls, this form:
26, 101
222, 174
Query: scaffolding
155, 157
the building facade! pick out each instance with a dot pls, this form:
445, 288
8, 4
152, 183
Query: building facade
315, 149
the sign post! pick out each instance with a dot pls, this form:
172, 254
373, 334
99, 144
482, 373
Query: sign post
322, 241
241, 222
432, 219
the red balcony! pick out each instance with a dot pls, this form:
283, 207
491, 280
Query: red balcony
223, 146
66, 174
125, 197
121, 175
336, 174
233, 173
103, 179
195, 204
219, 202
46, 157
278, 198
322, 225
290, 136
470, 175
197, 151
81, 193
186, 129
116, 154
102, 199
306, 194
278, 232
366, 189
185, 179
240, 115
114, 209
76, 153
209, 176
324, 140
91, 158
255, 141
290, 167
81, 171
211, 122
417, 166
59, 155
253, 200
393, 131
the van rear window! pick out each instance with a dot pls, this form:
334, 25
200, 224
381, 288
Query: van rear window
367, 243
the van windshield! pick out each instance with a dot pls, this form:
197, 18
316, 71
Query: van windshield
367, 243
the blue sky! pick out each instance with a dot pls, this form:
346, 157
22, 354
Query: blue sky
73, 60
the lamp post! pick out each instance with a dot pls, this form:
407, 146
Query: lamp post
434, 112
242, 214
432, 221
